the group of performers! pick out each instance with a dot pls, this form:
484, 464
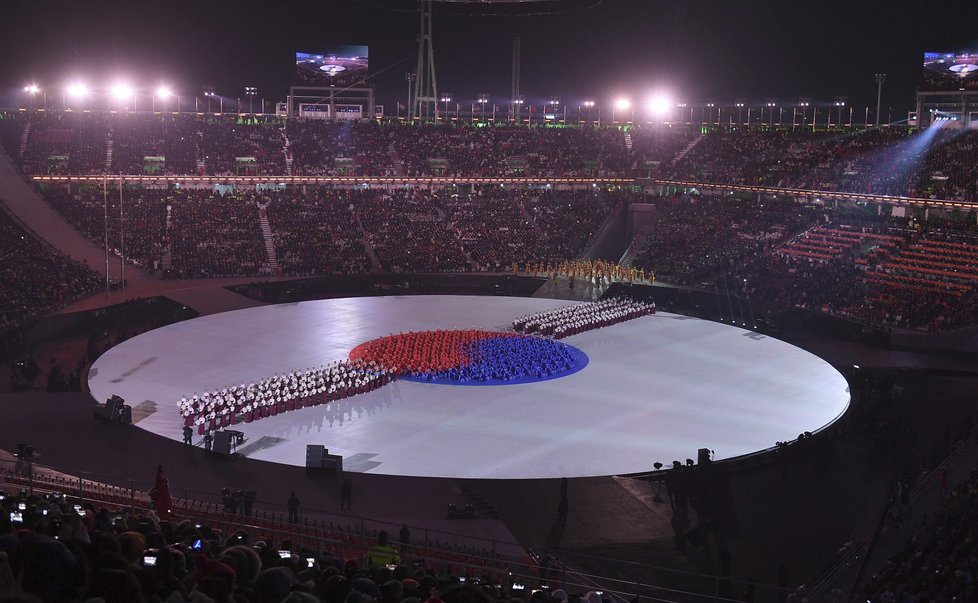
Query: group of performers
571, 320
423, 352
596, 271
508, 359
468, 355
298, 389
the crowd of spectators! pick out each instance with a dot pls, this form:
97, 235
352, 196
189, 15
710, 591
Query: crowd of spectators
213, 235
35, 278
949, 170
239, 146
893, 161
885, 273
697, 240
67, 143
173, 138
316, 232
408, 232
143, 219
938, 562
499, 227
54, 551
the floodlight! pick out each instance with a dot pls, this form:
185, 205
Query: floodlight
622, 103
164, 92
659, 105
77, 89
121, 91
32, 89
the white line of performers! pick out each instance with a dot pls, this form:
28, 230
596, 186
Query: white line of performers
292, 391
571, 320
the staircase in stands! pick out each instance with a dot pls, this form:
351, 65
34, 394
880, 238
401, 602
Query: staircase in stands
108, 152
24, 136
266, 232
287, 151
687, 149
166, 262
375, 264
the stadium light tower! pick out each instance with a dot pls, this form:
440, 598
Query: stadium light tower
740, 111
163, 92
518, 107
251, 92
33, 90
839, 103
659, 105
76, 90
446, 98
803, 104
483, 99
880, 78
770, 103
589, 105
621, 104
409, 77
122, 92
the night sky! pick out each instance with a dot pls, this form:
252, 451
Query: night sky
694, 49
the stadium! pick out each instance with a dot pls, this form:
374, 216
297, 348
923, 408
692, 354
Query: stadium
327, 341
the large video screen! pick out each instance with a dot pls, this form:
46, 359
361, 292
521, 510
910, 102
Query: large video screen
950, 71
335, 66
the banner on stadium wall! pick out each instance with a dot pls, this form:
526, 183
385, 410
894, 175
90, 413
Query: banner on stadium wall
245, 160
950, 71
57, 158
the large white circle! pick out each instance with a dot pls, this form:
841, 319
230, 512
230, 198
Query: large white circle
655, 389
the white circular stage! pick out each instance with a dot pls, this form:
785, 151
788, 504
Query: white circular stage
655, 389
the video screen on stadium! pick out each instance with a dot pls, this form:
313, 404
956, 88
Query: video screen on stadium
950, 71
334, 66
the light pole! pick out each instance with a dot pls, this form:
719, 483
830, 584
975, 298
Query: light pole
163, 92
840, 102
121, 92
75, 91
517, 107
446, 98
621, 104
554, 104
709, 113
880, 78
251, 92
589, 104
209, 93
803, 103
409, 78
32, 89
483, 99
682, 110
771, 103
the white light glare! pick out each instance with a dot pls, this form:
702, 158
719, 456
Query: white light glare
622, 103
32, 89
121, 91
77, 89
659, 105
164, 92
